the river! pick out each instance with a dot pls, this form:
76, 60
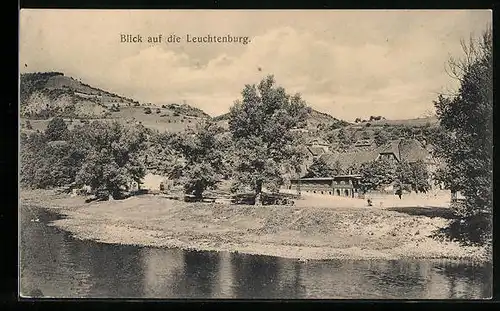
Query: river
54, 264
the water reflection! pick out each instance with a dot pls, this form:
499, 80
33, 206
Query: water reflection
265, 277
467, 281
53, 264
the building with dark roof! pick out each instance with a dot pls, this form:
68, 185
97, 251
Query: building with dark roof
316, 151
364, 143
317, 147
340, 185
408, 150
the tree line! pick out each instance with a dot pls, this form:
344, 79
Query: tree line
108, 156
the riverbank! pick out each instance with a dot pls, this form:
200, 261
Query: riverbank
305, 232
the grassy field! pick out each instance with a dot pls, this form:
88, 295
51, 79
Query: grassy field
304, 231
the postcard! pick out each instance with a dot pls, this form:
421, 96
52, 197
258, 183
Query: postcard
244, 154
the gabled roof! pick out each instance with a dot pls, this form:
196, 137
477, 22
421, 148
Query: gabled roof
364, 142
409, 150
317, 141
404, 149
348, 159
391, 147
316, 151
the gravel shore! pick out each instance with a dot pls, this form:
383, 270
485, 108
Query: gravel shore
304, 231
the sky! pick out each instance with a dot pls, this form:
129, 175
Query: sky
347, 63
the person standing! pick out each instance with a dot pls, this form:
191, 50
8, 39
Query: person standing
399, 192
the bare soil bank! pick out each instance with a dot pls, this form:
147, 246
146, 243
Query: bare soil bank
293, 232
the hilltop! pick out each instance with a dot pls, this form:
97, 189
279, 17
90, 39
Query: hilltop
315, 120
52, 94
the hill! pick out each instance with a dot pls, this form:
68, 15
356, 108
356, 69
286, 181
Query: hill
431, 121
369, 134
50, 94
315, 120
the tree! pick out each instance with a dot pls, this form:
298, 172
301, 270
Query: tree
204, 155
112, 156
376, 173
396, 133
319, 168
344, 139
162, 155
357, 120
147, 110
381, 138
414, 174
56, 129
47, 164
261, 126
466, 141
28, 125
365, 135
115, 108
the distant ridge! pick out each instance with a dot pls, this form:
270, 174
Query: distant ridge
314, 118
48, 94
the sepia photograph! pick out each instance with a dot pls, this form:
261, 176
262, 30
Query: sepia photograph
255, 154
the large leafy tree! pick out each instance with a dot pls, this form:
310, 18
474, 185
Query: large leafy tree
162, 156
343, 138
381, 137
466, 139
414, 174
319, 168
265, 146
56, 129
112, 156
47, 164
204, 153
377, 173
